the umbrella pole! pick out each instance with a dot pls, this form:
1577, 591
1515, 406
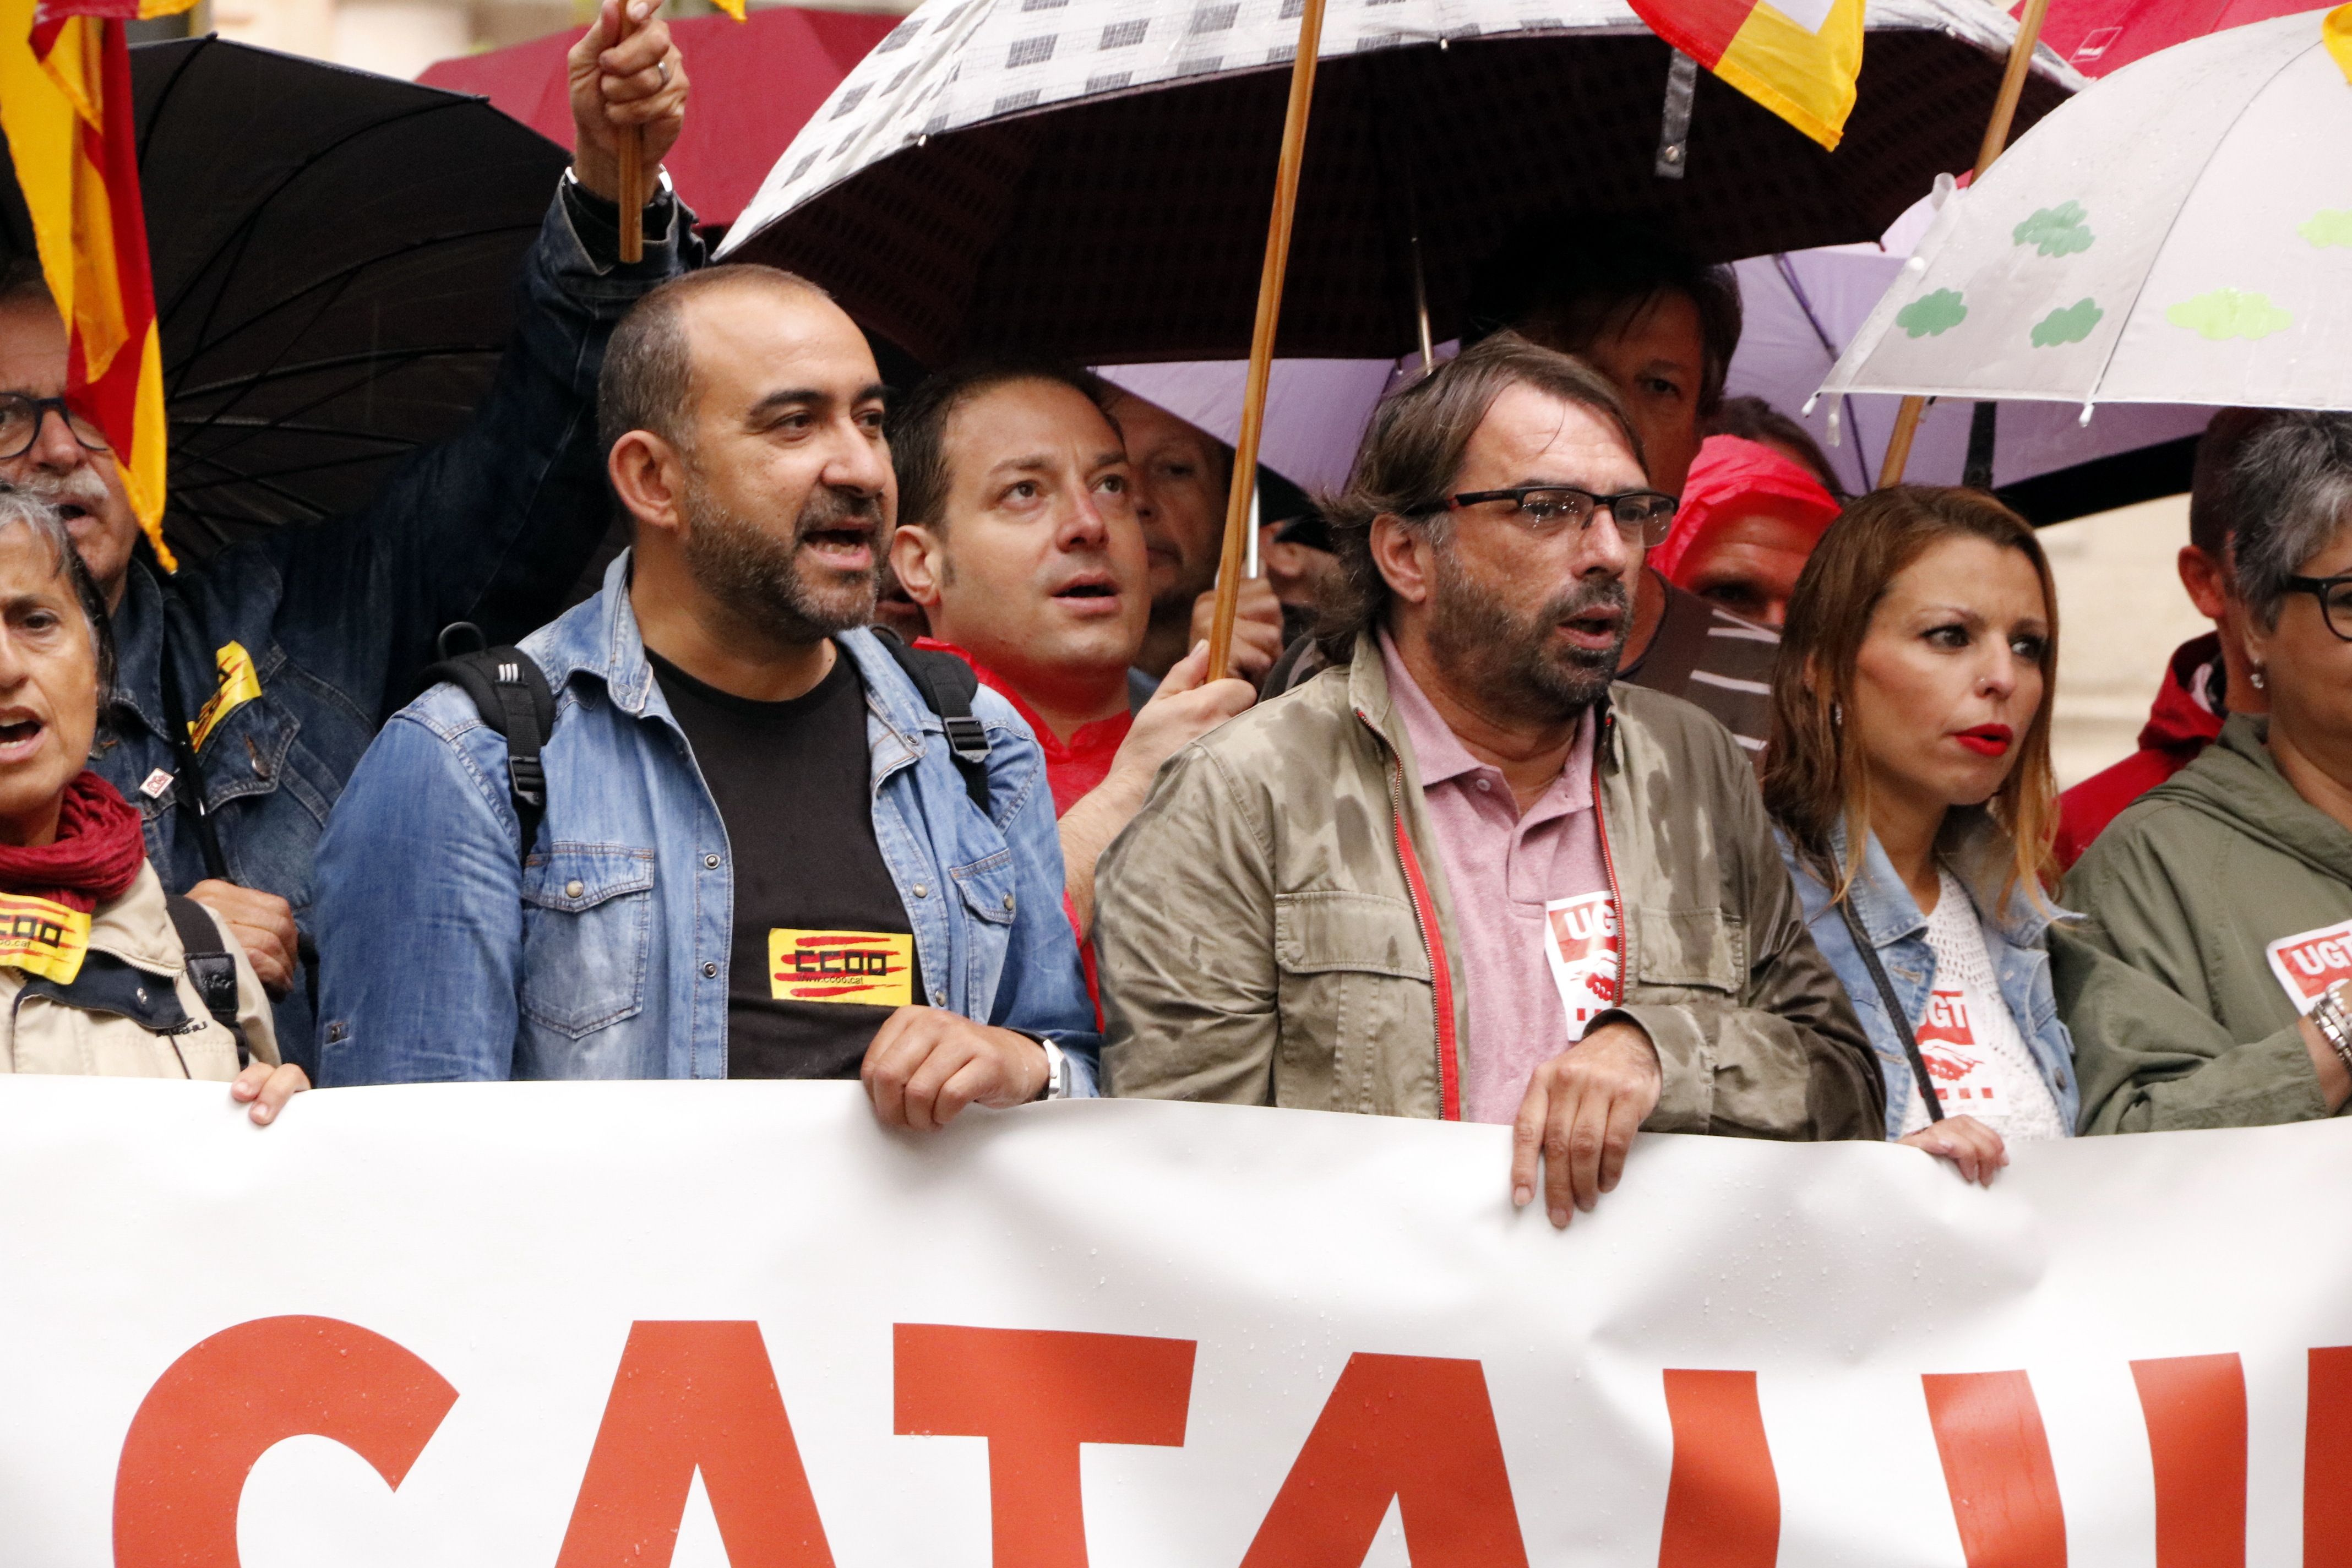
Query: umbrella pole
1995, 137
1261, 362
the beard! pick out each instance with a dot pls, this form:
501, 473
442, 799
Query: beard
774, 584
1486, 645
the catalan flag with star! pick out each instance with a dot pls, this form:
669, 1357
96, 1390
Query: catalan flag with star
66, 107
1797, 57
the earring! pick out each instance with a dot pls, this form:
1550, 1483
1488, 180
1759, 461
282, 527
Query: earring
2255, 675
1837, 715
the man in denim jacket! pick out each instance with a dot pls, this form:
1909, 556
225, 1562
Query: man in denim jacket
727, 882
286, 652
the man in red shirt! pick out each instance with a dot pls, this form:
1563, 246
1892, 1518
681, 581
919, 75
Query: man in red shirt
1018, 536
2208, 677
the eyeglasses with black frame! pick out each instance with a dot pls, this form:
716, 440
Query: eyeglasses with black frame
2334, 597
1545, 509
20, 424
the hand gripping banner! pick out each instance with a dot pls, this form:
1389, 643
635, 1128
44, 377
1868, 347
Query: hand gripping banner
584, 1326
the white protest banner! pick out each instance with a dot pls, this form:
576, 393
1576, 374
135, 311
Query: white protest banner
591, 1325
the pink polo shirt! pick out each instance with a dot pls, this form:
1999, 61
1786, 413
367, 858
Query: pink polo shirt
1533, 923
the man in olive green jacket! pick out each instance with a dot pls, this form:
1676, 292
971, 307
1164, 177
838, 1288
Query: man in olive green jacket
1276, 927
2180, 1017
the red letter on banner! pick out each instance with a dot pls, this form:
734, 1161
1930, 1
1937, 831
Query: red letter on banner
2196, 1411
1412, 1428
1723, 1503
1997, 1469
1036, 1396
695, 1395
2327, 1461
218, 1408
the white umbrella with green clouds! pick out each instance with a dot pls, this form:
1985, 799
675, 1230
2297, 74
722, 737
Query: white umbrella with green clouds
2181, 232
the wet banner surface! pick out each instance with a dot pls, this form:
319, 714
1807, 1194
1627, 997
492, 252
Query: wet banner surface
586, 1326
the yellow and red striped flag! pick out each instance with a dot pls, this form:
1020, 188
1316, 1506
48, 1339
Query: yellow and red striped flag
65, 104
1797, 57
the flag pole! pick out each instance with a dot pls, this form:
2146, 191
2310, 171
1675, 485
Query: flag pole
629, 148
1261, 362
1995, 137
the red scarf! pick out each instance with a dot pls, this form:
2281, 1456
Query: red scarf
99, 849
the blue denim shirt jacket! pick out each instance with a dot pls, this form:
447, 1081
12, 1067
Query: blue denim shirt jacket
446, 955
1978, 854
339, 617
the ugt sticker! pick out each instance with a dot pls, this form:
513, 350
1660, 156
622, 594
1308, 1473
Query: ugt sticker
870, 967
2309, 962
1581, 944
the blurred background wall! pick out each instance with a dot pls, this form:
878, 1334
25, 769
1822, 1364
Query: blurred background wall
401, 37
2121, 611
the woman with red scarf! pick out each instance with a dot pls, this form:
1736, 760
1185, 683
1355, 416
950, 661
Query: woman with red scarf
94, 977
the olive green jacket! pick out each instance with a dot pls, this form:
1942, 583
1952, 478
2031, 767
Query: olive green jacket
2187, 888
1273, 927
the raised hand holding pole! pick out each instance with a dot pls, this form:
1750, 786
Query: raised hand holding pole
1261, 362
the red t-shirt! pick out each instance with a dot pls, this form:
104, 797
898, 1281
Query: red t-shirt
1072, 769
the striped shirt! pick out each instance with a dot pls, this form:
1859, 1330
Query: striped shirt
1715, 659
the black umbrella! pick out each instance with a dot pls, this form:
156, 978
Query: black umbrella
334, 260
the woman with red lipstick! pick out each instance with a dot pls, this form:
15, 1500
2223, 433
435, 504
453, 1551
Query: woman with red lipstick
1910, 782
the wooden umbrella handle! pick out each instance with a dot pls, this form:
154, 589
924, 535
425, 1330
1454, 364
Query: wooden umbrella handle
1996, 139
630, 150
1261, 360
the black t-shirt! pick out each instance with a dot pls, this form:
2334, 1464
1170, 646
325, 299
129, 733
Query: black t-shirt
822, 949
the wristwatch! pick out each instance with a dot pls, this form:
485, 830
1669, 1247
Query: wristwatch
1057, 1072
2333, 1014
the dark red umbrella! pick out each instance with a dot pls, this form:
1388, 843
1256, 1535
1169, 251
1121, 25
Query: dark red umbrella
755, 83
2096, 37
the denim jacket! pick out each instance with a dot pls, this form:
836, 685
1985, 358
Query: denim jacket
1979, 855
445, 955
339, 617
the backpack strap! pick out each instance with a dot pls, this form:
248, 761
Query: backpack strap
510, 692
947, 686
212, 968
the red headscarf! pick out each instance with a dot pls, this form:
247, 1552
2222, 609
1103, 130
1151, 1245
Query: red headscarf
1735, 478
96, 856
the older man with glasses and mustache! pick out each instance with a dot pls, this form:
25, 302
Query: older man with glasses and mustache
1463, 874
759, 857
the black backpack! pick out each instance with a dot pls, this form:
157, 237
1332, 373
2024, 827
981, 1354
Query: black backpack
510, 692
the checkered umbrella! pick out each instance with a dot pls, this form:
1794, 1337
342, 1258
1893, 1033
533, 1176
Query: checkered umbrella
1091, 178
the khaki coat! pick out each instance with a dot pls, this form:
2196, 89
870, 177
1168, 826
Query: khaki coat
1275, 928
131, 1011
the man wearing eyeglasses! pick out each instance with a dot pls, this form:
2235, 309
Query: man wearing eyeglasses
1461, 874
251, 684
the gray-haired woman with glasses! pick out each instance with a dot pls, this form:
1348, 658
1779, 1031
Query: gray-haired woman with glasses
2232, 884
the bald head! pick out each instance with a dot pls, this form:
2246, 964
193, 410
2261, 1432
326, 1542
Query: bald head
648, 382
